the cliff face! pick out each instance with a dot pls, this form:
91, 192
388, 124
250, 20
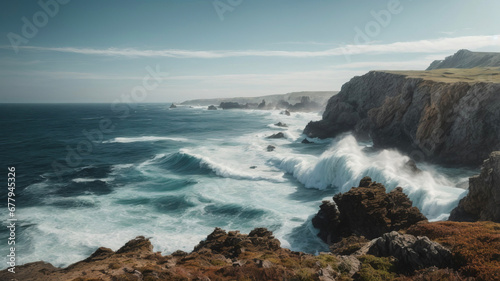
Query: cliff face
483, 201
450, 115
467, 59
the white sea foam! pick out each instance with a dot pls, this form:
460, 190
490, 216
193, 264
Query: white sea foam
345, 163
78, 180
278, 202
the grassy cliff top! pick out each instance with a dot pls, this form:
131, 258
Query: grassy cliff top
453, 75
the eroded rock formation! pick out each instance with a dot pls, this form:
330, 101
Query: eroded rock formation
412, 253
366, 211
482, 203
449, 116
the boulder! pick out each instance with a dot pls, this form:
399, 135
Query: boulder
262, 105
212, 107
271, 148
280, 124
173, 105
411, 167
366, 211
482, 203
412, 253
279, 135
306, 141
286, 112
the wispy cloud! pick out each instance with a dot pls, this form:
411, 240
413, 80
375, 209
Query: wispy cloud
420, 46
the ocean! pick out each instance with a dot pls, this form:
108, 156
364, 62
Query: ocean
175, 174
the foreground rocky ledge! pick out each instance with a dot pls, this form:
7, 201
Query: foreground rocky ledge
222, 256
373, 235
467, 251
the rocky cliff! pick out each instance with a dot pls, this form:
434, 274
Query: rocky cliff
467, 59
446, 115
482, 203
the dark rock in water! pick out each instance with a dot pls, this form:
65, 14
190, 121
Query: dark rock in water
286, 112
271, 148
212, 107
173, 106
412, 253
305, 104
250, 105
262, 105
282, 104
230, 105
483, 201
411, 166
366, 211
253, 167
279, 135
280, 124
306, 141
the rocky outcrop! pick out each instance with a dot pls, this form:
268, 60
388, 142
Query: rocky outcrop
305, 104
262, 104
482, 203
222, 256
280, 124
279, 135
306, 141
467, 59
212, 107
230, 105
432, 115
412, 253
366, 211
173, 106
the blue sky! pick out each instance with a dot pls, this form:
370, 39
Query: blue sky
97, 51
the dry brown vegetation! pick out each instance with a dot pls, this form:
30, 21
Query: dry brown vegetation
475, 246
452, 75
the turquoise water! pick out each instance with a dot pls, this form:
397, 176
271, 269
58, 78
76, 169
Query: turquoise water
174, 175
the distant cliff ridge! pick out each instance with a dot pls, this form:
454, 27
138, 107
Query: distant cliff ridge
446, 115
467, 59
320, 97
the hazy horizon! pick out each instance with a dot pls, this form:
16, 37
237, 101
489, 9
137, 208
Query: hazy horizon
171, 51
